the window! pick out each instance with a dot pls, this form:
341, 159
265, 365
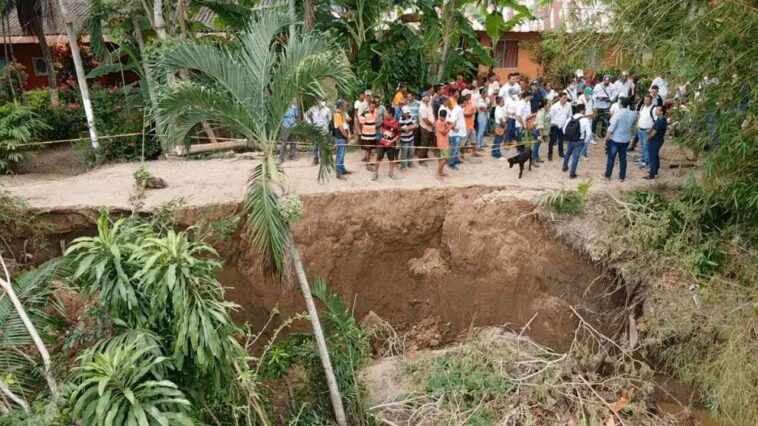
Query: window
506, 54
40, 66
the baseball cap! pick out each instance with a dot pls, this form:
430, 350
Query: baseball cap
367, 93
587, 90
535, 83
465, 92
339, 103
424, 94
606, 76
405, 110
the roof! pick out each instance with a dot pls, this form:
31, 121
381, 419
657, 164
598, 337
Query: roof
52, 21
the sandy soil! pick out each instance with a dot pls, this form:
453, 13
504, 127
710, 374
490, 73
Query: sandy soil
208, 182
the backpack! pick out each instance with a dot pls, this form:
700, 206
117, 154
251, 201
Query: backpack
573, 130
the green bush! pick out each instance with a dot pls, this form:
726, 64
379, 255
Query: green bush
18, 125
566, 201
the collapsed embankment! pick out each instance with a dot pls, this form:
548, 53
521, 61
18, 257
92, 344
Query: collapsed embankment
441, 259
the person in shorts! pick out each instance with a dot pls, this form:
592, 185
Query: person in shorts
388, 144
441, 129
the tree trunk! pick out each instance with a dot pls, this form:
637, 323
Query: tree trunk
80, 76
159, 23
310, 15
6, 42
52, 82
13, 397
318, 333
5, 284
448, 16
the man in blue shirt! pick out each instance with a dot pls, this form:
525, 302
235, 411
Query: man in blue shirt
657, 132
288, 122
617, 138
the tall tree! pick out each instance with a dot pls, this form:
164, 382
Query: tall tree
310, 15
81, 77
248, 87
31, 15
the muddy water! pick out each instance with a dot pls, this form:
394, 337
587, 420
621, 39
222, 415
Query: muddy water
701, 417
445, 260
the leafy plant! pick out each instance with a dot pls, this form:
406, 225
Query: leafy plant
19, 362
566, 201
123, 386
18, 125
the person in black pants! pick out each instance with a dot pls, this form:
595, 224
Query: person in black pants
560, 113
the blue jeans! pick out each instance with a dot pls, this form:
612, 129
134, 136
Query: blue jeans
573, 149
406, 154
642, 135
654, 148
584, 150
536, 144
455, 150
340, 160
616, 148
315, 152
495, 152
483, 121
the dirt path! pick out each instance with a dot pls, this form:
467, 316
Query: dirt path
207, 182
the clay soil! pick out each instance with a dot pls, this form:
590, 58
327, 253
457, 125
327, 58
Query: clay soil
432, 264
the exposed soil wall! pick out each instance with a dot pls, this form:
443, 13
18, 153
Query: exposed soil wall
443, 258
438, 259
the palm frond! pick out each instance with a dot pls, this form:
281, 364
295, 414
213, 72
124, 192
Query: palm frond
269, 231
323, 141
34, 289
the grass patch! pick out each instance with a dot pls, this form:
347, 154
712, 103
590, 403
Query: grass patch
566, 201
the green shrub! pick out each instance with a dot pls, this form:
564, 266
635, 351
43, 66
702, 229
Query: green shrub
127, 385
18, 125
566, 201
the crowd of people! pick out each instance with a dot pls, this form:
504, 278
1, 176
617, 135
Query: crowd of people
449, 122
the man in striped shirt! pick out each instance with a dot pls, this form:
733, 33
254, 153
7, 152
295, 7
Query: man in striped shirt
407, 135
368, 131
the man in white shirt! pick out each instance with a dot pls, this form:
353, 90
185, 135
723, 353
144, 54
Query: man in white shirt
501, 123
603, 96
512, 83
513, 108
319, 115
577, 132
359, 107
559, 113
426, 133
571, 90
458, 132
624, 87
522, 115
587, 101
663, 86
644, 124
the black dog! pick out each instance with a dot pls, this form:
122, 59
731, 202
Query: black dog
520, 159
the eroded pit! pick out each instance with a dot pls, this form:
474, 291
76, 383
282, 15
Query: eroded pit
444, 259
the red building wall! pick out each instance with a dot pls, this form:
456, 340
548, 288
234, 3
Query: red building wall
24, 53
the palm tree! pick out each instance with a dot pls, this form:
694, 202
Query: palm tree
247, 87
31, 18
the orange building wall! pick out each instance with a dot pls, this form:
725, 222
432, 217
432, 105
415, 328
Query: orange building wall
526, 65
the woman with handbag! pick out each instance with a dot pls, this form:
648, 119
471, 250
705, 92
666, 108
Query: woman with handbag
500, 124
